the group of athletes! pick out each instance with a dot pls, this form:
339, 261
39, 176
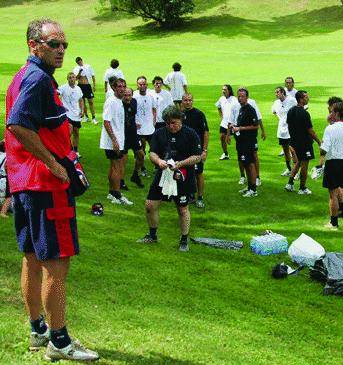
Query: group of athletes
42, 122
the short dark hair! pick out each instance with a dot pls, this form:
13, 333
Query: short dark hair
114, 63
187, 94
34, 30
334, 100
290, 77
70, 73
172, 112
141, 77
157, 78
77, 59
229, 87
283, 91
2, 145
243, 89
114, 81
338, 108
300, 95
176, 66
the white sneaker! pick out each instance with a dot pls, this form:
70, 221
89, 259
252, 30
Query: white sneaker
124, 201
94, 121
316, 173
297, 176
39, 340
145, 173
286, 173
243, 191
74, 351
241, 181
250, 194
305, 191
258, 182
281, 154
86, 119
289, 187
110, 197
224, 157
330, 226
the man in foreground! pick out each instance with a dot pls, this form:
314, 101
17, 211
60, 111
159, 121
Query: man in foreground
332, 149
302, 136
37, 134
182, 145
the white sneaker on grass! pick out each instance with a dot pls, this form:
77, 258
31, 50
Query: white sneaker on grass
286, 173
241, 180
297, 176
74, 351
94, 121
289, 187
281, 154
316, 173
224, 157
258, 181
250, 194
305, 191
39, 340
331, 226
123, 200
243, 191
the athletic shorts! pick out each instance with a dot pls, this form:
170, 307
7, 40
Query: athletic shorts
147, 137
87, 92
333, 174
45, 224
256, 147
284, 141
199, 168
132, 142
222, 130
246, 156
304, 153
114, 155
74, 123
183, 188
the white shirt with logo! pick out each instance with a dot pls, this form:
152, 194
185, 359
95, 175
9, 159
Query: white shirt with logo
225, 104
113, 72
281, 108
70, 97
115, 114
176, 80
333, 141
144, 115
162, 100
87, 71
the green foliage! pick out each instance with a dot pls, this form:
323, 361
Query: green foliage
166, 13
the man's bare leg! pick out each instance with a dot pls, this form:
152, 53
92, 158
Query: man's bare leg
184, 219
303, 173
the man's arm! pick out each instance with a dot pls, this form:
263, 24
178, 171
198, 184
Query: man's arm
313, 135
105, 86
156, 160
185, 89
82, 107
33, 144
220, 113
263, 132
190, 161
93, 78
154, 116
205, 145
245, 128
109, 131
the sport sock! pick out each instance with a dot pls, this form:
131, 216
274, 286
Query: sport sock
60, 338
75, 148
38, 325
199, 197
116, 194
253, 187
184, 238
153, 232
334, 221
291, 180
288, 164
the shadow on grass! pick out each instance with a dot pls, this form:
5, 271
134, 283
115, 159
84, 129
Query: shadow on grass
133, 359
302, 24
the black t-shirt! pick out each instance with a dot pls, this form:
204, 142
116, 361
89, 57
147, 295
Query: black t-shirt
178, 146
299, 122
194, 118
247, 116
130, 114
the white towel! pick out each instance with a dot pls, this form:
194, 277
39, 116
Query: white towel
167, 183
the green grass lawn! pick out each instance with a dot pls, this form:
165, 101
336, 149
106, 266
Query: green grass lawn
152, 305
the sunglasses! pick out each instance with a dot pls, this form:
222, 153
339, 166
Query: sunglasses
54, 44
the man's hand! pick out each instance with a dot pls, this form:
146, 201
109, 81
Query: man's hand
162, 164
235, 129
263, 135
59, 171
204, 156
94, 88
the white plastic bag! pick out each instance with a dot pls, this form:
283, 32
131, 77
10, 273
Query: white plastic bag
305, 250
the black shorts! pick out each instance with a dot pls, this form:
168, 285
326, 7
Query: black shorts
114, 155
74, 123
333, 174
87, 92
222, 130
246, 153
147, 137
284, 141
304, 153
199, 168
183, 188
132, 142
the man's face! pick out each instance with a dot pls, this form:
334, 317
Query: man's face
289, 84
279, 94
174, 125
119, 90
127, 96
80, 62
52, 57
305, 99
158, 85
71, 79
142, 86
242, 97
187, 102
225, 91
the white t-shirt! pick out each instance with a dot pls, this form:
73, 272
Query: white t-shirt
281, 108
109, 93
70, 97
176, 80
291, 92
87, 71
333, 141
162, 100
144, 115
225, 104
110, 72
235, 108
115, 114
